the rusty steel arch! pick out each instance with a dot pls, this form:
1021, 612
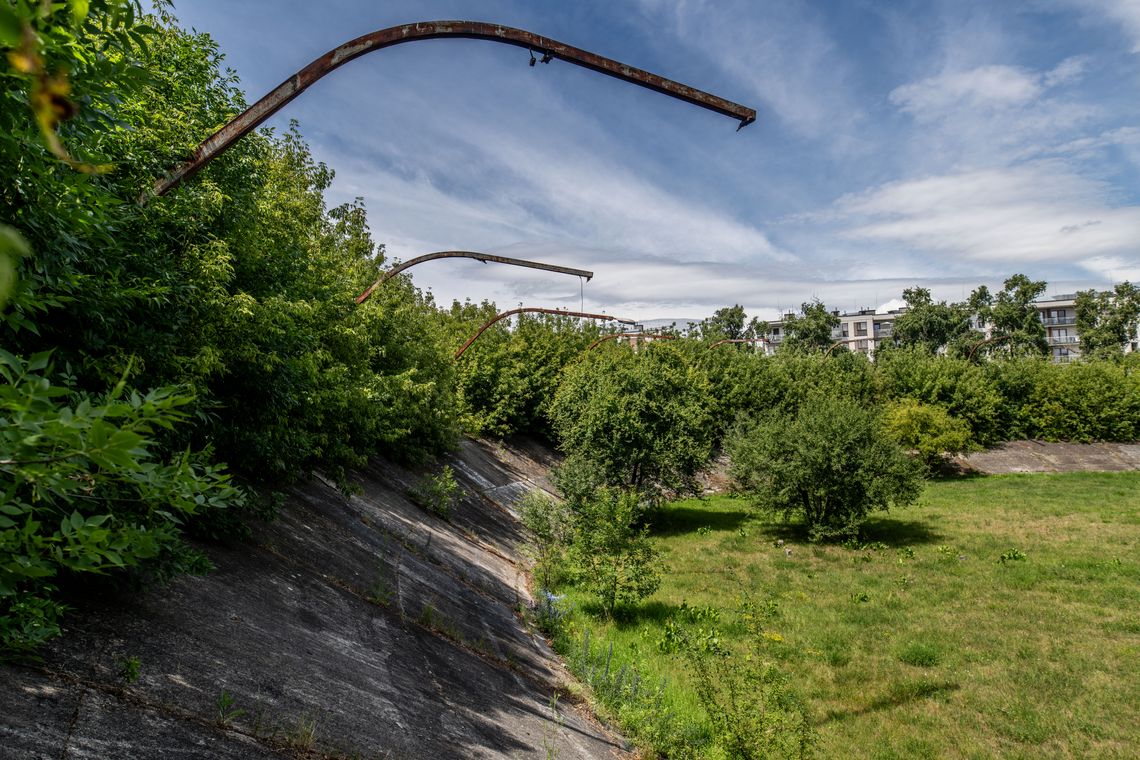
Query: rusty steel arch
484, 257
550, 49
986, 342
839, 343
537, 310
615, 336
739, 340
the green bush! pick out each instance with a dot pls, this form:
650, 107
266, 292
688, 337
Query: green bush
831, 464
506, 381
86, 490
927, 429
963, 389
437, 493
551, 525
612, 554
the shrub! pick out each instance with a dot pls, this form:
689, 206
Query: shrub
928, 429
641, 421
437, 493
550, 523
832, 464
87, 491
614, 558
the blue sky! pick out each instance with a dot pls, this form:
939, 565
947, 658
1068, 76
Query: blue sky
945, 144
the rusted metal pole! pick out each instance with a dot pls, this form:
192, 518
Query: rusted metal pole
839, 343
428, 30
537, 310
986, 342
740, 340
615, 336
470, 255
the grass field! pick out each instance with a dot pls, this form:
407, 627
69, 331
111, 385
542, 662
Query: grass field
922, 642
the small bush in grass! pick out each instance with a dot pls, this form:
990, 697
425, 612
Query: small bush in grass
551, 525
927, 429
1013, 555
612, 553
832, 464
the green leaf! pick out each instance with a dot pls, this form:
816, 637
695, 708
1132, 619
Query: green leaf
9, 28
79, 10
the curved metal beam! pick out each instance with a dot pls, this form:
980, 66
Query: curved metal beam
740, 340
428, 30
537, 310
839, 343
986, 342
615, 336
484, 257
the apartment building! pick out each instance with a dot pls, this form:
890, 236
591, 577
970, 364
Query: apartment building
1059, 314
860, 331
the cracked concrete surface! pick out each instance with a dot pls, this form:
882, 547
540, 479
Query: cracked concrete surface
352, 627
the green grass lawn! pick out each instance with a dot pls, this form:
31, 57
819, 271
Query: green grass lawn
921, 643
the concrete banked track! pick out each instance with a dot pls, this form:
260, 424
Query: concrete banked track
351, 627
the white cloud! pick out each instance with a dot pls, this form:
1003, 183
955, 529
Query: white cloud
1115, 268
986, 85
1036, 212
1124, 13
784, 56
990, 87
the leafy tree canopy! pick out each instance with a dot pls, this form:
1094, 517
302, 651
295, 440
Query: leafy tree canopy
810, 330
1106, 320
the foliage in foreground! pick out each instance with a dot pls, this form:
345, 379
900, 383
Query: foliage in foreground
86, 492
831, 464
218, 319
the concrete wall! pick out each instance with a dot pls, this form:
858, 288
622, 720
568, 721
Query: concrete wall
352, 627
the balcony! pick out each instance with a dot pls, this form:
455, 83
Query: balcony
1059, 320
1062, 340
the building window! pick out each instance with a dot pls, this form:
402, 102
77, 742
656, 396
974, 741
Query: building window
860, 328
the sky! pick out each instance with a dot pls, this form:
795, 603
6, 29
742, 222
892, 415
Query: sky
941, 144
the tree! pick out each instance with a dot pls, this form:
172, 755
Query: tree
1106, 320
929, 325
1014, 314
726, 323
831, 463
637, 420
811, 331
612, 551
